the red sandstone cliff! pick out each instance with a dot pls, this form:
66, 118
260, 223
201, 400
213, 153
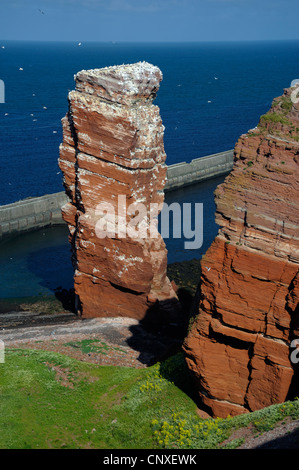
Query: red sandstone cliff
238, 347
113, 146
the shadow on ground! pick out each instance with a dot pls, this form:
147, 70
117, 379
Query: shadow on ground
162, 331
289, 441
161, 334
66, 297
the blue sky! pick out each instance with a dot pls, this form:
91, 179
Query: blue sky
149, 20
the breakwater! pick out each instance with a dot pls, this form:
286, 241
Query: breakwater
31, 213
199, 169
37, 212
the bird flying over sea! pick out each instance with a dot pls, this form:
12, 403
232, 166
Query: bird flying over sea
42, 12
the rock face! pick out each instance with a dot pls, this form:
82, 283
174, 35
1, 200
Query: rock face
238, 348
113, 164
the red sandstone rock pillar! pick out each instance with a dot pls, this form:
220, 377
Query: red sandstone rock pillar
239, 347
113, 153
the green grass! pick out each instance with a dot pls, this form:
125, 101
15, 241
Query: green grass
50, 401
184, 430
283, 104
286, 104
93, 346
274, 118
281, 108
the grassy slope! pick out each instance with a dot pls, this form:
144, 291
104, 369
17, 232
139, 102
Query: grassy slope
52, 401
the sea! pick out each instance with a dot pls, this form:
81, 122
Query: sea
211, 93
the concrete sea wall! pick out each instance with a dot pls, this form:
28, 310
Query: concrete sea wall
37, 212
200, 169
31, 213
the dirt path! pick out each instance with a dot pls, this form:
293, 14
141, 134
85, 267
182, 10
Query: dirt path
284, 436
116, 341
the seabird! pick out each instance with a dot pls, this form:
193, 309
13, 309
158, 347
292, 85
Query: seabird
42, 12
21, 68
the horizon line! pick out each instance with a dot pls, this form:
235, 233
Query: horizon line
149, 42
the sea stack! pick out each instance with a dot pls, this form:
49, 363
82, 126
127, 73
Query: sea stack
113, 164
240, 344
